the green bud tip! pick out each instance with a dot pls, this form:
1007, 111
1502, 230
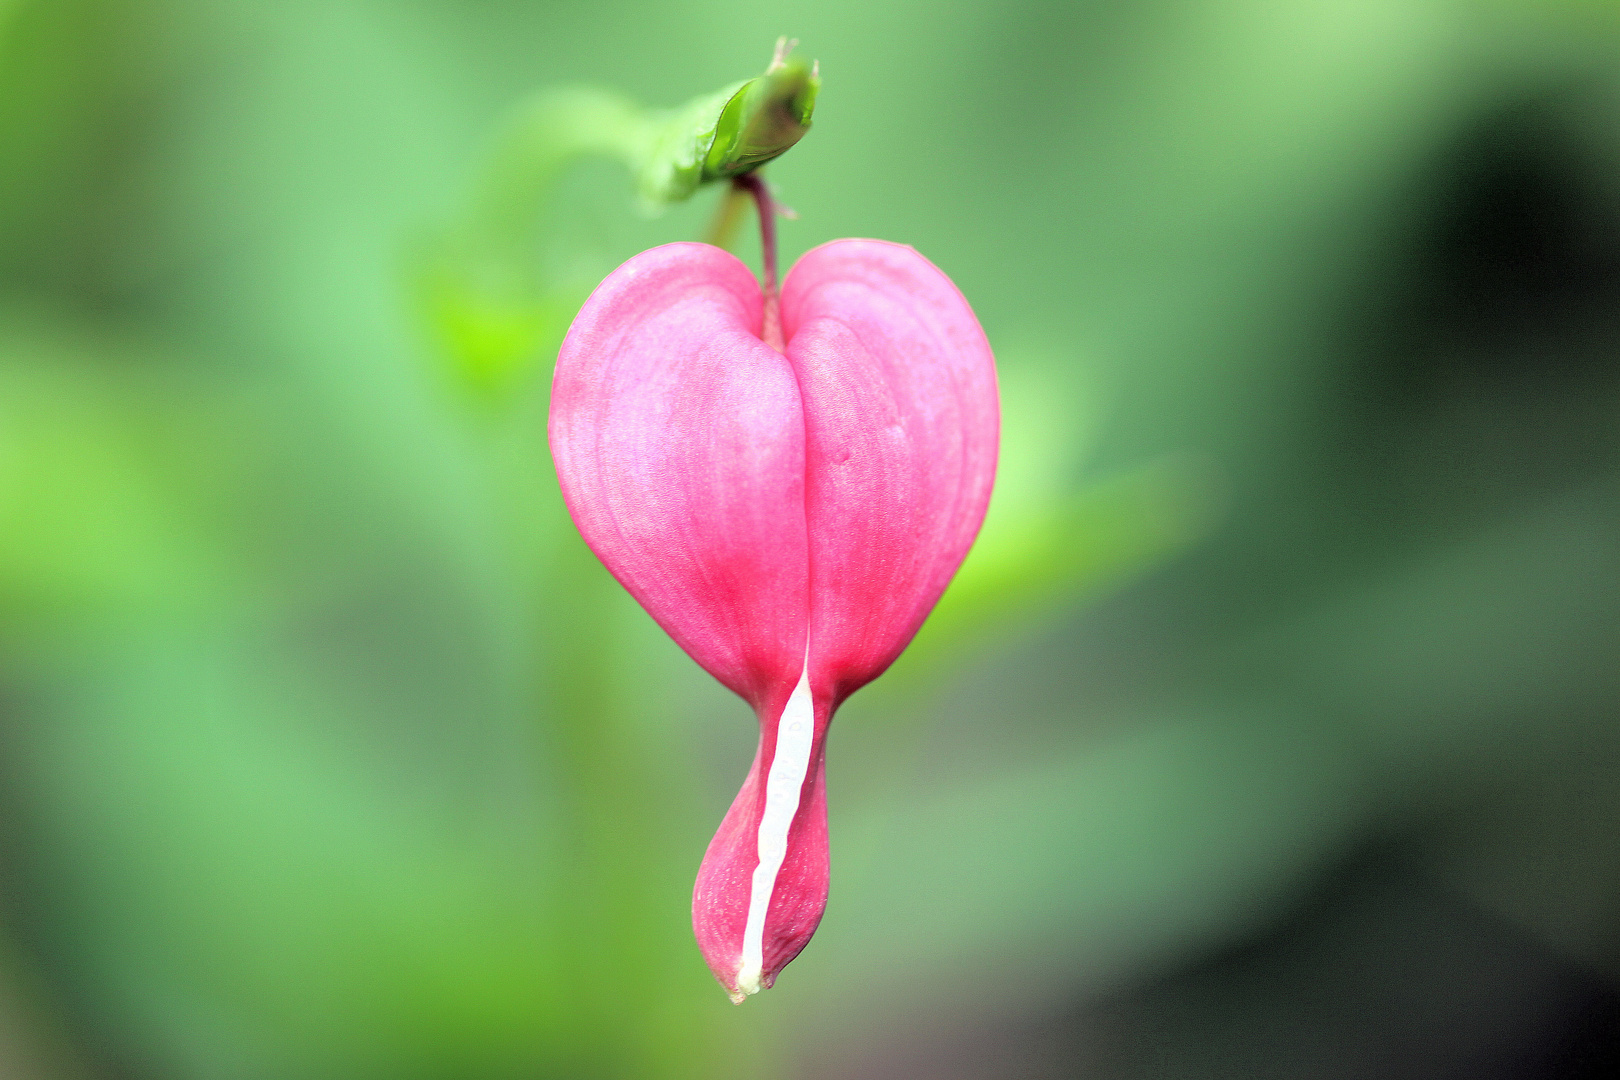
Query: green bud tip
730, 133
765, 117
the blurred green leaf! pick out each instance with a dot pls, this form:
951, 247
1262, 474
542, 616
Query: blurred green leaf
87, 529
1045, 547
491, 306
1053, 557
1100, 858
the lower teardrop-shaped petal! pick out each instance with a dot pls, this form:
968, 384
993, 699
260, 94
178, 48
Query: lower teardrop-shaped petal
762, 887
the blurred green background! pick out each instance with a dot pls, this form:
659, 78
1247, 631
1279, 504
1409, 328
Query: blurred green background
1270, 731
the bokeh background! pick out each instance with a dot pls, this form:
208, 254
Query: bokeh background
1271, 730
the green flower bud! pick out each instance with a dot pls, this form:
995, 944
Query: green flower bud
763, 120
726, 134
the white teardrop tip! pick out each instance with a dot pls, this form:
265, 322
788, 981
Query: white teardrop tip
747, 984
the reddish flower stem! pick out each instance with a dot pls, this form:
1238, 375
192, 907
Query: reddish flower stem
754, 185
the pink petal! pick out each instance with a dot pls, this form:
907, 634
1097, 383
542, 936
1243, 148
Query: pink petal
902, 427
679, 442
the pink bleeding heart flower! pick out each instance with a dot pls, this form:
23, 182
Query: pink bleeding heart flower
789, 516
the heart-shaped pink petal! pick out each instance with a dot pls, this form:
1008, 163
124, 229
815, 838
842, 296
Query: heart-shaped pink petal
789, 520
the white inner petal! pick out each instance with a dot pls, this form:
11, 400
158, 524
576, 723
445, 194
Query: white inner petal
782, 787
